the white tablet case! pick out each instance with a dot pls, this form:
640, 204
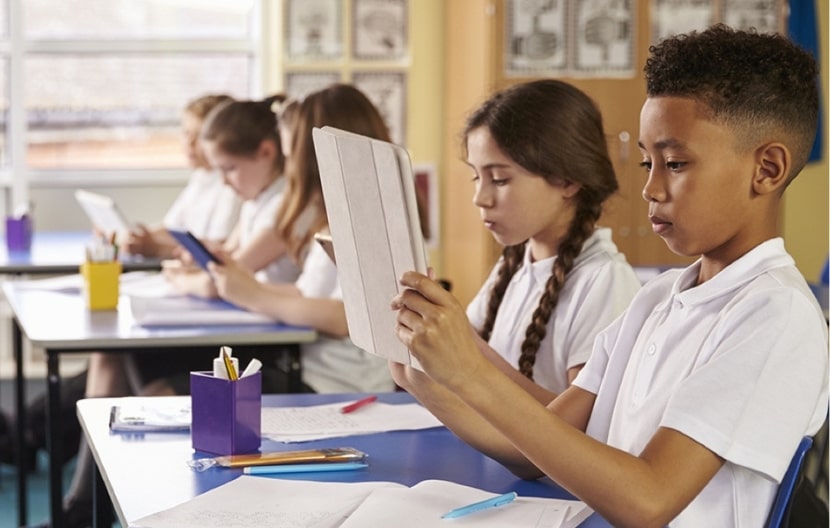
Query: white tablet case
102, 211
373, 219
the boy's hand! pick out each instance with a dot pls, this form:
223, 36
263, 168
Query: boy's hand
433, 325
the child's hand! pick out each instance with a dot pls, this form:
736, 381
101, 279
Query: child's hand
233, 283
188, 279
139, 241
433, 325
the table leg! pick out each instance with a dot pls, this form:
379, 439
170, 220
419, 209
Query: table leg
101, 504
53, 430
20, 410
295, 371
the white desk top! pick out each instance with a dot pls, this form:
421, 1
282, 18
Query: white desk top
55, 252
60, 320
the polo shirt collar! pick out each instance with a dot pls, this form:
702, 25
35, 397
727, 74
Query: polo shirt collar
762, 258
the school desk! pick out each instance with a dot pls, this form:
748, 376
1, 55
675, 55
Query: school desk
146, 473
59, 322
59, 252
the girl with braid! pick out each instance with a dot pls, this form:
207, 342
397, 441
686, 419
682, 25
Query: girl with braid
540, 191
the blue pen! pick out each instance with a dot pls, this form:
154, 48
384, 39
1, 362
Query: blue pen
495, 502
303, 468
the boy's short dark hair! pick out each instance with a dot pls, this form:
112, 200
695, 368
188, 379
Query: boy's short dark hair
762, 86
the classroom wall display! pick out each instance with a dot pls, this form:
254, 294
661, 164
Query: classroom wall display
573, 38
314, 29
387, 90
672, 17
380, 29
300, 84
427, 194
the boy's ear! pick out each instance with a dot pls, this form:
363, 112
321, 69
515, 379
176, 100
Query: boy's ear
772, 169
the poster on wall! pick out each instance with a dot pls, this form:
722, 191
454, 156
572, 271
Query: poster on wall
673, 17
314, 29
300, 84
387, 90
426, 193
380, 29
766, 16
604, 31
535, 37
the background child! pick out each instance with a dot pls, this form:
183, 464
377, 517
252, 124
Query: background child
332, 363
206, 206
540, 191
694, 400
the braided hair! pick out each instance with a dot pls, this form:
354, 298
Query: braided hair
571, 148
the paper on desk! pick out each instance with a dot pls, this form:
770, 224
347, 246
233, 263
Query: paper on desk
422, 506
61, 283
303, 424
258, 501
262, 501
186, 310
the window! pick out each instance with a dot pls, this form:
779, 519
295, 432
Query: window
102, 82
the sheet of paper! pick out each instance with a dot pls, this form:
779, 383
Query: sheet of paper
185, 310
249, 502
423, 505
61, 283
302, 424
146, 284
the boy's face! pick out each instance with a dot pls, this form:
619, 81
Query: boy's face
699, 185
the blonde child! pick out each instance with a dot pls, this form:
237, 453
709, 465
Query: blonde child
332, 363
694, 400
206, 206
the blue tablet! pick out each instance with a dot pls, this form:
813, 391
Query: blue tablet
200, 253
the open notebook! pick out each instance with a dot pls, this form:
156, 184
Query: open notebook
373, 219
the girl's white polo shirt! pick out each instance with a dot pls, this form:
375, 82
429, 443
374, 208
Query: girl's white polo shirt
206, 207
597, 290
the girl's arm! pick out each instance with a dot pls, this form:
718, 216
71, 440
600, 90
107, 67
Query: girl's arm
541, 394
645, 490
264, 248
282, 301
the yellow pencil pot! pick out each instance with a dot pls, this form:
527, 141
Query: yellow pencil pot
101, 284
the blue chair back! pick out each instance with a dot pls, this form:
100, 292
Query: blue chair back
785, 490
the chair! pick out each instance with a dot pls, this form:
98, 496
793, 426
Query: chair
784, 496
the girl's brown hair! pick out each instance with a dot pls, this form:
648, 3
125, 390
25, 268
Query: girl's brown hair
239, 127
553, 130
341, 106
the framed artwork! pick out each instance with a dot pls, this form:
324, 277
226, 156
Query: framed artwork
426, 193
300, 84
387, 90
314, 29
673, 17
535, 37
767, 16
379, 29
604, 38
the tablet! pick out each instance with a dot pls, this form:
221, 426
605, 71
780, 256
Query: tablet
102, 212
372, 213
194, 246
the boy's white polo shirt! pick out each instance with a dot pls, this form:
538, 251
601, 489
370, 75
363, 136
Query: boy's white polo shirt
739, 364
598, 288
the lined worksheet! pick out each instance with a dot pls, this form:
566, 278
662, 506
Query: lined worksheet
260, 501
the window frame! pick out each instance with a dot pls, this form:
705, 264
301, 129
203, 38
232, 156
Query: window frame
17, 178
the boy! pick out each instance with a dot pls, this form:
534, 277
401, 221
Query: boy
695, 399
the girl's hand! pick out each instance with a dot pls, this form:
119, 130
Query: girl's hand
433, 325
139, 241
233, 283
188, 279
